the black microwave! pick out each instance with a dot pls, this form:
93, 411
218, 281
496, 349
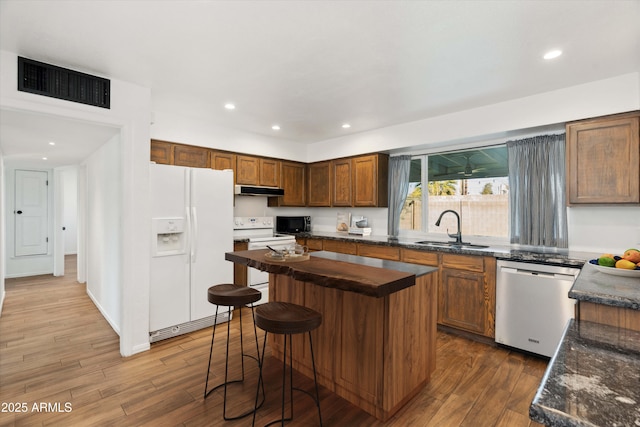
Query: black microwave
293, 224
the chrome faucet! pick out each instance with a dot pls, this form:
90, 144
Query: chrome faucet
458, 235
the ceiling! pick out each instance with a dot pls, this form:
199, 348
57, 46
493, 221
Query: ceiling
27, 139
310, 66
485, 162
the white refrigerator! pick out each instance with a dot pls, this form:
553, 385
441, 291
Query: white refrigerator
192, 228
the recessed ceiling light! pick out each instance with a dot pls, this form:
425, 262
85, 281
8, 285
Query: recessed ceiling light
275, 127
230, 106
552, 54
52, 143
346, 126
44, 158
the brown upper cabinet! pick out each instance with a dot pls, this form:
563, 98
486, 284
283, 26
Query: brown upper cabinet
252, 170
221, 160
188, 155
603, 160
359, 181
292, 179
247, 170
161, 152
370, 180
270, 172
319, 188
342, 190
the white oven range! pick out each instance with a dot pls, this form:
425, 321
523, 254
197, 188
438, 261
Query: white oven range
260, 233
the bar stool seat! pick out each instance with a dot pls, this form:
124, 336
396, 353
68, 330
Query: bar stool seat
287, 319
231, 295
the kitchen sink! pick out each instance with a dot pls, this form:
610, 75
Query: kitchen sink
451, 244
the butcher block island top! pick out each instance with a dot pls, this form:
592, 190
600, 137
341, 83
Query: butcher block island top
376, 345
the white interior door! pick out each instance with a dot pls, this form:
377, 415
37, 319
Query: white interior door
31, 212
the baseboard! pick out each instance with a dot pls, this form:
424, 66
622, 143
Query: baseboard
113, 325
140, 348
32, 273
467, 335
2, 302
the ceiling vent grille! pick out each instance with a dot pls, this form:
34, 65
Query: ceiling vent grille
57, 82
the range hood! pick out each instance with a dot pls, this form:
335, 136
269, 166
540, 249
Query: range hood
255, 190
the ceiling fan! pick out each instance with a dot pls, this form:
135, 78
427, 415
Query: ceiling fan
469, 170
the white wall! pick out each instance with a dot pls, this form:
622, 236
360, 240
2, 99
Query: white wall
104, 241
604, 229
599, 98
131, 112
31, 265
186, 130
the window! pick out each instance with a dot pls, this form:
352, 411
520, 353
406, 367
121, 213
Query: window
474, 183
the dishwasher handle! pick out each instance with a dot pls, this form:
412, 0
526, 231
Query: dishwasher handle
523, 272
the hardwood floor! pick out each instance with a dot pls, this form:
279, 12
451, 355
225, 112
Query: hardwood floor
58, 353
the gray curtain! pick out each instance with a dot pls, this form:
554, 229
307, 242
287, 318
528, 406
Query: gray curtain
537, 191
399, 167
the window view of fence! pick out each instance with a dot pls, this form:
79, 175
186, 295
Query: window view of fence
482, 201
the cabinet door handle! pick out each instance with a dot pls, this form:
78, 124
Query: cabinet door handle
19, 212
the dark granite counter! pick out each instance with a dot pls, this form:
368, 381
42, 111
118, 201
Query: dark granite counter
602, 288
368, 276
539, 255
592, 380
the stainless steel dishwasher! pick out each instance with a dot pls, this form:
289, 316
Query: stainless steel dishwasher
532, 305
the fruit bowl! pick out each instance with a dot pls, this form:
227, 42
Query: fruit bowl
615, 271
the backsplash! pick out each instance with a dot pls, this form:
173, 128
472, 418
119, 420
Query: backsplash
322, 219
604, 228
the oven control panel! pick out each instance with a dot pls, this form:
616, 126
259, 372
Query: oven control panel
251, 222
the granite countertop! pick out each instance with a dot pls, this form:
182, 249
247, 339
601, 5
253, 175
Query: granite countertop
368, 276
592, 380
541, 255
595, 286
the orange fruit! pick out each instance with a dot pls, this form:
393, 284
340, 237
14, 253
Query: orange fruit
632, 255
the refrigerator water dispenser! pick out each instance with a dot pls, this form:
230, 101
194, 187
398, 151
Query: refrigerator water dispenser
168, 236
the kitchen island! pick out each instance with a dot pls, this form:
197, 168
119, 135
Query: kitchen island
376, 345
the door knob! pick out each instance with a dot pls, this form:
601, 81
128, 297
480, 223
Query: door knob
19, 212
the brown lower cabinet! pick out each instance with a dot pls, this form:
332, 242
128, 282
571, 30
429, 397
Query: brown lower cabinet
609, 315
466, 293
376, 251
340, 246
466, 283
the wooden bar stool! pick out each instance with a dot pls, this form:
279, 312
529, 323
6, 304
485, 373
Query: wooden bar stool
287, 319
233, 295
